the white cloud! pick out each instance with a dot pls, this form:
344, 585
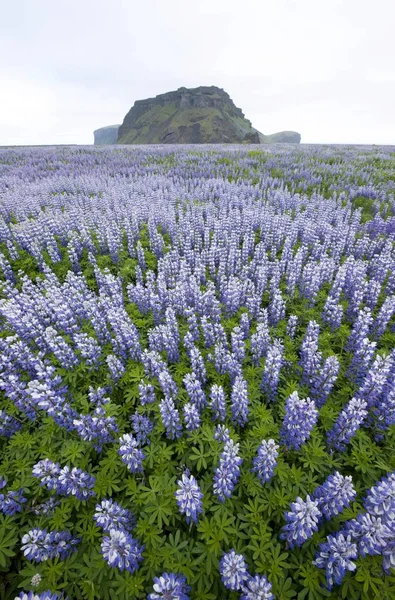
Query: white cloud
324, 69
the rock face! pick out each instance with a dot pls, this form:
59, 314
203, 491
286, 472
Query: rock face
203, 115
106, 135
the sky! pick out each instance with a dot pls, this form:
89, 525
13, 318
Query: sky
324, 68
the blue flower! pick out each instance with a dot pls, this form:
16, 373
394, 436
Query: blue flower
48, 595
191, 416
380, 499
336, 556
130, 453
228, 471
301, 416
218, 403
334, 495
257, 588
233, 570
110, 515
122, 551
40, 545
302, 521
170, 586
239, 402
12, 502
347, 424
142, 427
189, 497
170, 418
265, 461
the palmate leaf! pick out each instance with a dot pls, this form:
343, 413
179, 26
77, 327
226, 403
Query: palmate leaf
160, 512
272, 563
8, 541
128, 585
284, 589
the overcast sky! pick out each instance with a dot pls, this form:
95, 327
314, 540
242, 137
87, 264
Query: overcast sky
324, 68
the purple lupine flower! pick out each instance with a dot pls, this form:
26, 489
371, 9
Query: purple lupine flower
360, 329
170, 418
383, 414
195, 391
75, 482
276, 308
244, 325
336, 556
292, 323
110, 515
146, 393
122, 551
260, 341
12, 502
271, 371
65, 481
332, 313
170, 586
256, 588
380, 499
192, 324
265, 461
389, 557
191, 416
302, 521
384, 316
233, 570
238, 344
334, 495
310, 357
47, 471
142, 427
130, 453
115, 366
189, 497
362, 360
376, 379
347, 424
324, 381
40, 545
301, 416
46, 508
228, 471
167, 383
218, 403
47, 595
208, 332
97, 428
239, 402
197, 363
8, 425
222, 433
371, 533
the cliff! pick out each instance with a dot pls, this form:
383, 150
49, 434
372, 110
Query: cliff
106, 135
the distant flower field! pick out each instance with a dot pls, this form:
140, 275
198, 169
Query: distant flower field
197, 375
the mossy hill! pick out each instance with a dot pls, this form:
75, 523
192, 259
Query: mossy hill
203, 115
106, 135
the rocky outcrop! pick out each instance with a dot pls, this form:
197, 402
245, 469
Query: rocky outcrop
106, 135
283, 137
202, 115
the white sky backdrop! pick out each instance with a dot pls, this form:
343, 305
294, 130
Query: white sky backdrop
325, 68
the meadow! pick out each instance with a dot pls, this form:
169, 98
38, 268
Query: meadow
197, 375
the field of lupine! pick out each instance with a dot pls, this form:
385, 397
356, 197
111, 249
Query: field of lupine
197, 379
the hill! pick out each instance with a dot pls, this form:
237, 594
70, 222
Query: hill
203, 115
